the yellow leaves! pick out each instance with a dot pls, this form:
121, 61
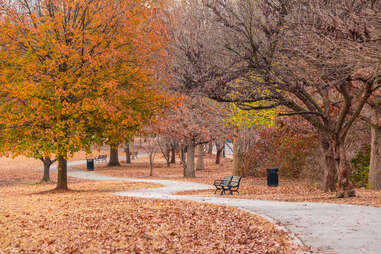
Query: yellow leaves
250, 118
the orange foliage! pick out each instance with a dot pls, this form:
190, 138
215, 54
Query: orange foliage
74, 72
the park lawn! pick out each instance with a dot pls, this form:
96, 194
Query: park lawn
35, 218
89, 219
23, 170
291, 190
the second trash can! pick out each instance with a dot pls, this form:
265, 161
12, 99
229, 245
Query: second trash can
272, 177
90, 164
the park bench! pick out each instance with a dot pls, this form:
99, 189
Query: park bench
101, 158
230, 183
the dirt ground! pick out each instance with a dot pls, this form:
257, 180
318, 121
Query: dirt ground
251, 187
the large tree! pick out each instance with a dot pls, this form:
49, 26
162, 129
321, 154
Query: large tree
59, 60
315, 59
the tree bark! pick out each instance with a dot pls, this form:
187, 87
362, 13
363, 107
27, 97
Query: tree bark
210, 148
173, 155
168, 156
189, 170
151, 164
114, 158
128, 153
329, 181
200, 158
220, 148
47, 162
237, 170
375, 158
345, 187
182, 155
62, 173
218, 157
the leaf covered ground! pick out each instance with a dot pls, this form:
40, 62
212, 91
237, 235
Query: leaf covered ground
89, 219
251, 187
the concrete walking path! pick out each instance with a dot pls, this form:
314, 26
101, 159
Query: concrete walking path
330, 228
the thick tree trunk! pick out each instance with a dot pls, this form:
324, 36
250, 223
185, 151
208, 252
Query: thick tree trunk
189, 170
200, 158
375, 155
345, 187
329, 181
62, 173
210, 148
150, 164
114, 159
128, 153
237, 170
173, 155
47, 162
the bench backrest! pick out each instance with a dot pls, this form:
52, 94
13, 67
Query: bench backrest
235, 181
226, 180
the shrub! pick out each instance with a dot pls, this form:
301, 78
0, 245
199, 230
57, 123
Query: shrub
360, 169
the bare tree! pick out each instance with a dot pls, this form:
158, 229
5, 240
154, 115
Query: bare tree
310, 58
150, 146
165, 145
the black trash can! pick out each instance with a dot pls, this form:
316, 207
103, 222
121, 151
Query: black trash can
90, 164
272, 177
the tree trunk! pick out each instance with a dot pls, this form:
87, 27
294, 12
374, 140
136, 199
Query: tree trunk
173, 155
329, 181
62, 173
150, 164
375, 154
128, 153
47, 162
189, 170
237, 170
210, 148
168, 156
114, 159
345, 187
182, 155
218, 156
200, 158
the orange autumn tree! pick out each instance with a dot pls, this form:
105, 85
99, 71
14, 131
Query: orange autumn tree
59, 60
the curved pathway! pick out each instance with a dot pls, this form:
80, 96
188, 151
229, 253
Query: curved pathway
330, 228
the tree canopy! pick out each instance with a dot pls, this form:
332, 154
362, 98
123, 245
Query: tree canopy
71, 68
